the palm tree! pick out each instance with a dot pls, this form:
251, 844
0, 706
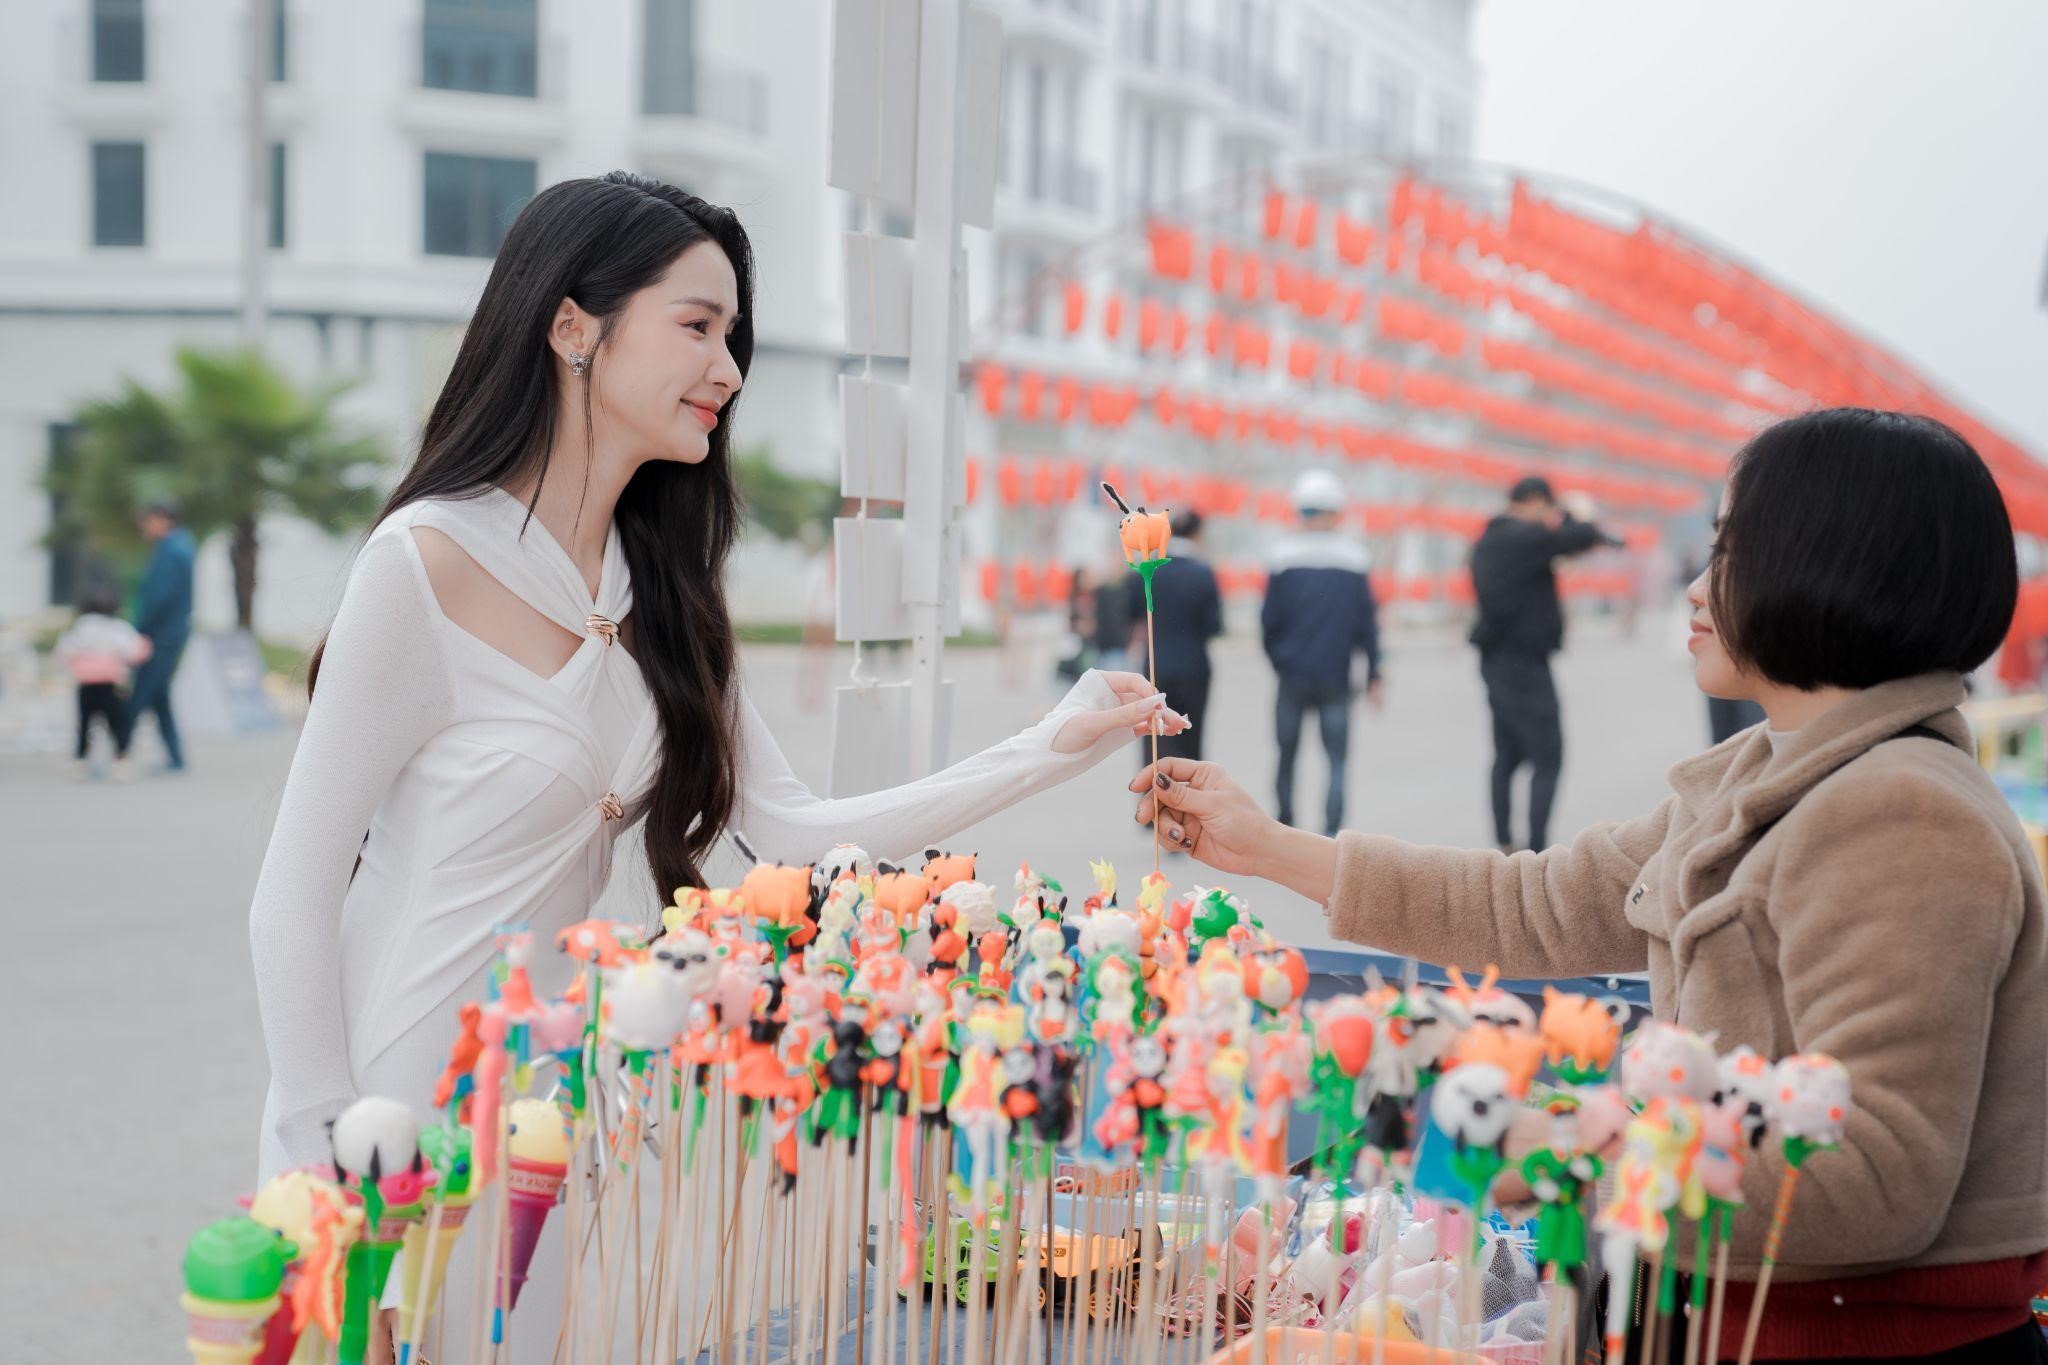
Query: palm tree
235, 441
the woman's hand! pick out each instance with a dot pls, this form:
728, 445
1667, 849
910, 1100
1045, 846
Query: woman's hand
1202, 810
1140, 708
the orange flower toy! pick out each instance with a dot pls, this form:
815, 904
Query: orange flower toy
1145, 536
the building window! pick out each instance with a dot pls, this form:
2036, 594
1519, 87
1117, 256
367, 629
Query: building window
471, 200
117, 40
67, 547
1395, 114
1451, 136
277, 196
1025, 286
117, 194
1326, 82
486, 46
280, 67
668, 57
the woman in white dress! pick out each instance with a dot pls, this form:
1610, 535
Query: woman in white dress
533, 654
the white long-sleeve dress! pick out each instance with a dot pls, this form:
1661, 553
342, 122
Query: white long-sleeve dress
484, 790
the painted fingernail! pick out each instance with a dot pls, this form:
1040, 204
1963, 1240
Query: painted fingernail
1164, 781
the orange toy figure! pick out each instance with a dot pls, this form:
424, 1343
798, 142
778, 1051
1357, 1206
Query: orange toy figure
989, 952
948, 944
594, 941
903, 895
784, 900
1144, 535
1580, 1034
942, 870
316, 1296
516, 990
462, 1057
1515, 1052
1275, 976
1280, 1078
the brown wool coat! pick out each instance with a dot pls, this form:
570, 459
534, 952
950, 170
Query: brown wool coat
1892, 917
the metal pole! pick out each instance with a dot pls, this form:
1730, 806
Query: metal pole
935, 344
255, 244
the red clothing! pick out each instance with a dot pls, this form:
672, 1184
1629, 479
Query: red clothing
1919, 1311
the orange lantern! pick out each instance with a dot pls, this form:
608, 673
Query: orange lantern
1220, 264
1305, 224
991, 381
1276, 215
1030, 392
1173, 251
1076, 307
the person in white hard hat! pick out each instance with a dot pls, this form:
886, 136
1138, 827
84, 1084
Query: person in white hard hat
1318, 616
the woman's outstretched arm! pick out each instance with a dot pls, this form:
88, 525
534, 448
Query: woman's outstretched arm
1558, 912
786, 821
385, 687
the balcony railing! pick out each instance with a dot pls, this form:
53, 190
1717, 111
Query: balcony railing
1088, 11
727, 95
1063, 181
1171, 49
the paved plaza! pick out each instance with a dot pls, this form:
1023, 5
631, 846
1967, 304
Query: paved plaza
138, 1064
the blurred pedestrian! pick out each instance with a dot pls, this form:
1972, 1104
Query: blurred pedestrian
1319, 613
98, 652
1112, 618
1187, 613
1521, 624
164, 616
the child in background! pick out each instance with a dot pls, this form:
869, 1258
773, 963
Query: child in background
98, 651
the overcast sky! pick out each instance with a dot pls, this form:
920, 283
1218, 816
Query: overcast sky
1884, 159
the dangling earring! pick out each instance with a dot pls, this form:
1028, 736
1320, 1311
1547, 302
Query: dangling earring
579, 364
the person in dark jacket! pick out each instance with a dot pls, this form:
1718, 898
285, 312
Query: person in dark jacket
1319, 613
1187, 613
1520, 626
164, 616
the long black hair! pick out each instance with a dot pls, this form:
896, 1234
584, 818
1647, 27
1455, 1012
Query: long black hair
598, 242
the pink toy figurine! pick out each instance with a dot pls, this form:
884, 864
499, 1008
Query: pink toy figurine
489, 1095
1809, 1107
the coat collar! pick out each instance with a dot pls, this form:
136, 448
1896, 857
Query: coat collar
1742, 786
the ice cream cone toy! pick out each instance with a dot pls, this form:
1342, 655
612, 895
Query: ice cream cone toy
377, 1157
233, 1271
537, 1152
430, 1242
315, 1216
1809, 1106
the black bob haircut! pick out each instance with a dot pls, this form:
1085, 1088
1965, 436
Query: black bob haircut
1858, 547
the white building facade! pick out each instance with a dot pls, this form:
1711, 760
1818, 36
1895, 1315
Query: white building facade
407, 132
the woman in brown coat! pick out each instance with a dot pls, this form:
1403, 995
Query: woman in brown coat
1844, 879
